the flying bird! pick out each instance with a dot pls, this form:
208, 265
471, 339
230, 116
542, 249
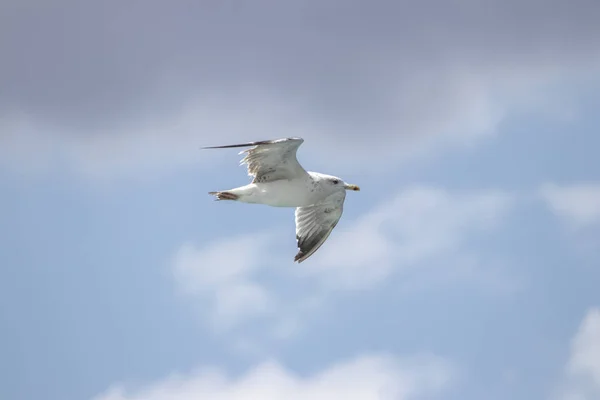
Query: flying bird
279, 180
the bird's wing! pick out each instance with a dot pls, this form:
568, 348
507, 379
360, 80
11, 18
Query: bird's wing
315, 223
270, 160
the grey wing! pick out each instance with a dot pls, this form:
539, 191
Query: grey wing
315, 223
271, 160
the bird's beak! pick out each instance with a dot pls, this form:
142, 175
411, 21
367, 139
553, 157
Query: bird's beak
352, 187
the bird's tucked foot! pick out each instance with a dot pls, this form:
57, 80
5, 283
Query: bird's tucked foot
224, 195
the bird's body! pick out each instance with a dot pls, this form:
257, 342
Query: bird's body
298, 192
280, 181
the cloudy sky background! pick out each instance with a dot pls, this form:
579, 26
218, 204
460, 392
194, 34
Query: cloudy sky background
466, 268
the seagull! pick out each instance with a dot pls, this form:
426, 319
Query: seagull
278, 180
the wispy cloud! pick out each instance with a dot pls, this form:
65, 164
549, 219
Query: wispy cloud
577, 204
417, 230
363, 378
221, 273
418, 225
583, 368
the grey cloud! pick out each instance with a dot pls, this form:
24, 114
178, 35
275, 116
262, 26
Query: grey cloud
353, 69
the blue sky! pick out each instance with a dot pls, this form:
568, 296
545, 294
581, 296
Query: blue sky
465, 268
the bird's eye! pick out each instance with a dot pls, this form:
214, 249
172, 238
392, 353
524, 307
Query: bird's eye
335, 181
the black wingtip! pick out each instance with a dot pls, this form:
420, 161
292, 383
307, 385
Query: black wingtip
250, 144
231, 146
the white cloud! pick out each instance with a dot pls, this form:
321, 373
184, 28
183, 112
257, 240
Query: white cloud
417, 230
583, 367
576, 204
458, 112
221, 272
585, 349
141, 149
417, 225
364, 378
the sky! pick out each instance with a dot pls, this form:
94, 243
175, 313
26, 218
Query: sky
466, 268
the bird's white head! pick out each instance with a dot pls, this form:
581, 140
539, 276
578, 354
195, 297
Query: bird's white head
337, 182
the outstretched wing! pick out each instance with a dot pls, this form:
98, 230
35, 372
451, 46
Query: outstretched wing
315, 223
270, 160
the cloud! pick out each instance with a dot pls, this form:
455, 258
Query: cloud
585, 349
583, 367
419, 229
577, 204
366, 377
418, 225
221, 273
112, 94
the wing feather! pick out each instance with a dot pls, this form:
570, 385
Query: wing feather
315, 223
270, 160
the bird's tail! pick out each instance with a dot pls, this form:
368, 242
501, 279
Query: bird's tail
224, 195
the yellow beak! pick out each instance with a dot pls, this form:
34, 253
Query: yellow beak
352, 187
